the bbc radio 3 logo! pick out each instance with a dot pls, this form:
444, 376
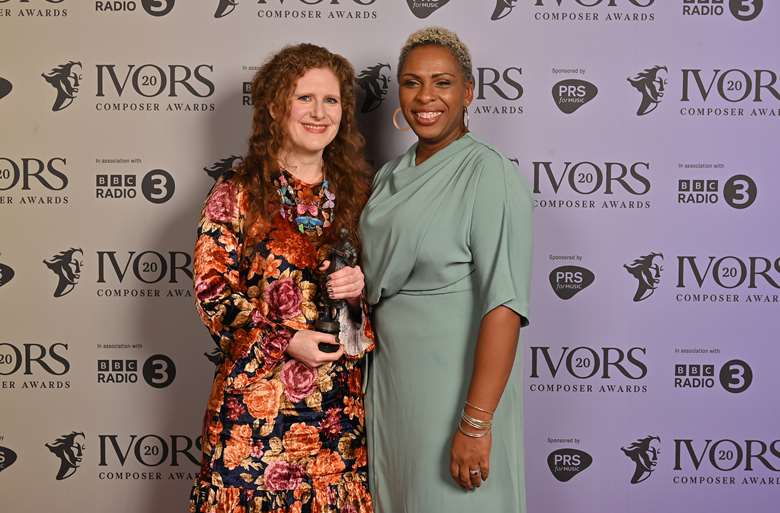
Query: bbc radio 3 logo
157, 186
739, 191
735, 376
155, 8
158, 371
743, 10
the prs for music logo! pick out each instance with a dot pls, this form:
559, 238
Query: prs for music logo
424, 8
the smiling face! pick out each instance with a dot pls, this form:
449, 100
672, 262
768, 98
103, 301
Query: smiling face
315, 113
433, 93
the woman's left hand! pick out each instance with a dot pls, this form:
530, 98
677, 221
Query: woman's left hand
470, 460
346, 283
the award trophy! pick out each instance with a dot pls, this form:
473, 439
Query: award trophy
340, 255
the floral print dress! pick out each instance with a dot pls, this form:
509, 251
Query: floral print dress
278, 436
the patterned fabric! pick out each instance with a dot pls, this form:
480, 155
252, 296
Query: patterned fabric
278, 436
311, 209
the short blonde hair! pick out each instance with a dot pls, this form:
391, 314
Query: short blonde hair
439, 36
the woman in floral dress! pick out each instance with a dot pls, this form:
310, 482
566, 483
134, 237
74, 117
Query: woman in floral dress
284, 429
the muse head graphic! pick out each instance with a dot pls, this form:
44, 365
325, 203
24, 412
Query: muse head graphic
374, 81
648, 273
651, 83
67, 266
644, 453
223, 167
503, 9
70, 450
65, 79
225, 7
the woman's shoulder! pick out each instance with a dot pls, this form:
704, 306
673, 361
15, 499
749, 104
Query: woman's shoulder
226, 202
391, 165
494, 168
486, 155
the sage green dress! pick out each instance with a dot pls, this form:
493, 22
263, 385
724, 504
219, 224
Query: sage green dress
444, 243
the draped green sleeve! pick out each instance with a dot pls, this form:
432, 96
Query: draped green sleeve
500, 237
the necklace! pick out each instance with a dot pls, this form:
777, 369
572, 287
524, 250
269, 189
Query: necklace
310, 211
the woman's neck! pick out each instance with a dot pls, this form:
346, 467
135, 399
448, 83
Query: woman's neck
306, 168
426, 150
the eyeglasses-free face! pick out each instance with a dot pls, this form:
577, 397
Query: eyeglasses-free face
433, 94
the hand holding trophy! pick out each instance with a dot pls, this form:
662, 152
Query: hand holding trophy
341, 254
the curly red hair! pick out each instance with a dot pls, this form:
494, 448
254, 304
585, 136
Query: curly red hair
345, 165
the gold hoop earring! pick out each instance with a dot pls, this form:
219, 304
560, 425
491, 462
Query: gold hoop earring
466, 116
395, 121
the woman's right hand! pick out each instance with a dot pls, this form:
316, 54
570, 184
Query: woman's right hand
304, 348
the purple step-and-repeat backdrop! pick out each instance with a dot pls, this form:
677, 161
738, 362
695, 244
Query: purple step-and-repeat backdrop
647, 129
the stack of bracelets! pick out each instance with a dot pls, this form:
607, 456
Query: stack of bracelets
482, 426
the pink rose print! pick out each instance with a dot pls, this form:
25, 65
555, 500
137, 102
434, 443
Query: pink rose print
281, 475
283, 298
222, 206
299, 380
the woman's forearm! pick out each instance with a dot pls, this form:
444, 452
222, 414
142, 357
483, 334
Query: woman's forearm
493, 360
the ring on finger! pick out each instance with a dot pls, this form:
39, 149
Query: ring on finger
474, 472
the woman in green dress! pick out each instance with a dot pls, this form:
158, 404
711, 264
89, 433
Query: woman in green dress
446, 253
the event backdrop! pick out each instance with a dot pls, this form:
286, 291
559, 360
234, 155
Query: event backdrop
648, 130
